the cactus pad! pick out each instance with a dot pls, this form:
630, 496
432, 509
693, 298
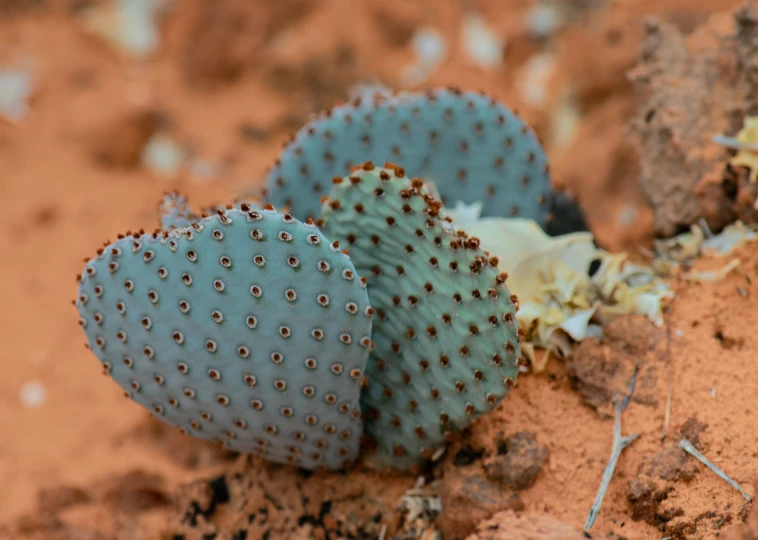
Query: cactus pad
446, 336
472, 147
248, 328
175, 212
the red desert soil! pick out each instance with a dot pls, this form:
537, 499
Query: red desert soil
89, 464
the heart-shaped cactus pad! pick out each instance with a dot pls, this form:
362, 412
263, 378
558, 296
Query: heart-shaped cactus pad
247, 327
447, 339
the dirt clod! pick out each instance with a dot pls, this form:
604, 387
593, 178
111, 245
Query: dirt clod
690, 88
599, 369
52, 500
747, 529
120, 141
135, 492
468, 497
518, 461
659, 477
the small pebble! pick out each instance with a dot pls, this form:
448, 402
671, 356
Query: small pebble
544, 20
163, 155
482, 46
33, 395
537, 72
15, 90
430, 46
431, 49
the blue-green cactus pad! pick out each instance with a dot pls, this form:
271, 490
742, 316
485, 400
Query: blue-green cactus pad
248, 328
472, 147
175, 212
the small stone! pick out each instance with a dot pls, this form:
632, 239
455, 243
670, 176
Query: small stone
518, 461
33, 395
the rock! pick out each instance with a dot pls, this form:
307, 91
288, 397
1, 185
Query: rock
690, 88
509, 525
468, 498
518, 461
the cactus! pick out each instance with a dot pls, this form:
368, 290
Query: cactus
471, 146
248, 328
175, 212
446, 336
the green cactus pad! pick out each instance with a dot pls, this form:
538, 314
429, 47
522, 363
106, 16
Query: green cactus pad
446, 335
471, 146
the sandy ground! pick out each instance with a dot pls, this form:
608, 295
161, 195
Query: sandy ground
87, 463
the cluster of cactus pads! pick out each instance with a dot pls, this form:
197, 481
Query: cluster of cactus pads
290, 338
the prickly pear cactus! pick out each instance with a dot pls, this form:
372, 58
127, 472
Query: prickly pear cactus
446, 336
175, 212
247, 327
472, 147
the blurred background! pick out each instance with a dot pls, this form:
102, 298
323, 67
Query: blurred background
106, 104
138, 96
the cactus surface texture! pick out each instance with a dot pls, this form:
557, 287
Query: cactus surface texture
175, 212
446, 335
247, 327
470, 146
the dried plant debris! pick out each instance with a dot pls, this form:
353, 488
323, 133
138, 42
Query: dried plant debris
675, 256
619, 443
688, 88
567, 287
746, 144
418, 509
690, 449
